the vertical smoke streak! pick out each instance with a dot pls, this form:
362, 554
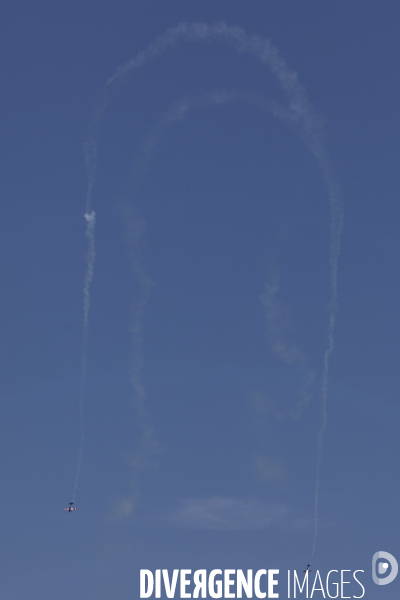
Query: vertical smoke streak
303, 118
90, 259
336, 228
133, 234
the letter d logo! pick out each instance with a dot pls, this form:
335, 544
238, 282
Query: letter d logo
383, 567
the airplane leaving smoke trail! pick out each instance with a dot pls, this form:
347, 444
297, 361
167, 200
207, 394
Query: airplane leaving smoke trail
302, 115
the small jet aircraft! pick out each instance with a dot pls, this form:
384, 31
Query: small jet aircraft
307, 570
70, 507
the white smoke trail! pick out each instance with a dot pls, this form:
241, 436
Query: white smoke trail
236, 37
282, 348
336, 228
178, 111
134, 231
285, 351
301, 114
90, 259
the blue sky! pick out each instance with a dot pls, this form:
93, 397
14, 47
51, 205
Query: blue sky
217, 469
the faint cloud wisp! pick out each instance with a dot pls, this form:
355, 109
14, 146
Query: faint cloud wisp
269, 469
228, 514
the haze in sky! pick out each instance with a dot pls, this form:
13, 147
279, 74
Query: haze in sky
210, 373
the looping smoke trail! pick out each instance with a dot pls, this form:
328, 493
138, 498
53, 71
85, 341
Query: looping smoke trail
90, 258
286, 352
302, 116
234, 36
178, 111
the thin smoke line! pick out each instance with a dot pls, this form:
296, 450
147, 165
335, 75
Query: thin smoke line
301, 112
90, 260
133, 234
